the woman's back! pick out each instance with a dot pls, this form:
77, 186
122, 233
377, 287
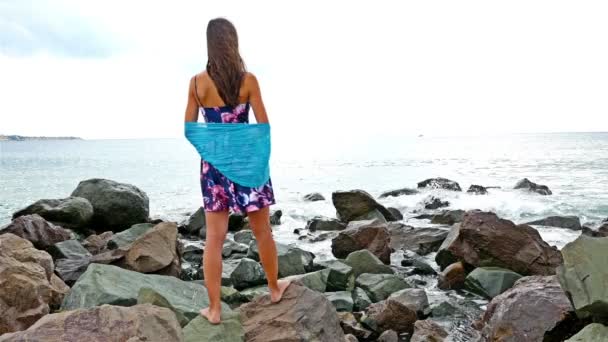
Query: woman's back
214, 109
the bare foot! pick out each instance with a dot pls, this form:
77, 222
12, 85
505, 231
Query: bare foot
213, 318
275, 296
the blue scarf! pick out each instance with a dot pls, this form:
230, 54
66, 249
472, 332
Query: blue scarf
241, 152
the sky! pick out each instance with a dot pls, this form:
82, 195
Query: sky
329, 71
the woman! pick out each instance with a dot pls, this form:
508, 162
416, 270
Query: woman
225, 91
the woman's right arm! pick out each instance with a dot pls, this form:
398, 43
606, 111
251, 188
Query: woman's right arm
255, 98
192, 106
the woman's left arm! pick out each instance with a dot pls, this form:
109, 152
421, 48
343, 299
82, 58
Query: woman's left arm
192, 106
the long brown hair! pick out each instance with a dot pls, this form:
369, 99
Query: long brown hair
224, 63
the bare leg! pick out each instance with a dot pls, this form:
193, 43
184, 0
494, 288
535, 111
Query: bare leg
260, 225
217, 226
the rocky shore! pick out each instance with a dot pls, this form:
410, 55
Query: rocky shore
94, 266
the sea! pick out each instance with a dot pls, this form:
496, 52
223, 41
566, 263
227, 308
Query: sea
573, 165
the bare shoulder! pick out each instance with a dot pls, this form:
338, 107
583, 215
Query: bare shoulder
250, 81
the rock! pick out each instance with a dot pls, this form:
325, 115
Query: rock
363, 261
358, 235
323, 236
195, 224
244, 236
420, 266
388, 336
355, 205
398, 192
324, 223
143, 322
253, 292
533, 187
351, 326
193, 253
236, 222
68, 249
305, 316
37, 230
292, 260
439, 183
342, 300
115, 205
389, 314
593, 332
275, 217
230, 330
315, 196
109, 284
69, 270
484, 239
533, 306
148, 295
71, 212
435, 203
95, 243
243, 273
477, 190
396, 214
569, 222
448, 217
154, 250
428, 331
602, 231
360, 299
28, 286
419, 240
129, 235
380, 286
452, 277
350, 338
316, 281
584, 276
414, 299
341, 276
489, 282
231, 247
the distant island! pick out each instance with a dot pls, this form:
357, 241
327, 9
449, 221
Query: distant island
22, 138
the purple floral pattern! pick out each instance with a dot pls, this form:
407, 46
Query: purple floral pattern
220, 193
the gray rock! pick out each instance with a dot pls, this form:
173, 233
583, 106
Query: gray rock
41, 233
584, 276
357, 205
398, 192
420, 266
439, 183
244, 236
229, 330
602, 231
351, 326
595, 332
569, 222
363, 261
127, 236
388, 336
324, 223
315, 196
448, 217
371, 235
232, 247
415, 299
71, 212
360, 299
292, 260
350, 338
275, 217
396, 214
316, 281
380, 286
526, 184
68, 249
115, 205
148, 295
477, 190
193, 254
69, 270
419, 240
243, 273
341, 276
194, 225
489, 282
428, 331
342, 300
236, 222
253, 292
435, 203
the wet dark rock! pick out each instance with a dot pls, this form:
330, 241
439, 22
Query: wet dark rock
193, 253
233, 248
489, 282
526, 184
452, 277
236, 222
356, 205
484, 239
244, 236
419, 240
324, 223
275, 217
115, 205
602, 231
398, 192
341, 276
71, 212
322, 237
420, 266
428, 331
341, 300
435, 203
313, 197
370, 235
593, 332
243, 273
569, 222
380, 286
448, 217
34, 228
396, 214
351, 326
360, 299
439, 183
194, 225
69, 270
477, 190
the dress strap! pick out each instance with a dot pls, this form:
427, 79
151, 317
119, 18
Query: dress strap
196, 92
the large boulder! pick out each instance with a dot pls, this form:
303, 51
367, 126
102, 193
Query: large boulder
301, 315
316, 281
127, 236
109, 284
584, 276
324, 223
71, 212
398, 192
341, 276
533, 307
153, 250
363, 261
595, 332
195, 225
37, 230
439, 183
477, 190
419, 240
28, 286
433, 202
415, 299
428, 331
357, 205
115, 205
569, 222
243, 273
489, 282
200, 330
379, 286
292, 259
526, 184
371, 235
390, 314
484, 239
144, 322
